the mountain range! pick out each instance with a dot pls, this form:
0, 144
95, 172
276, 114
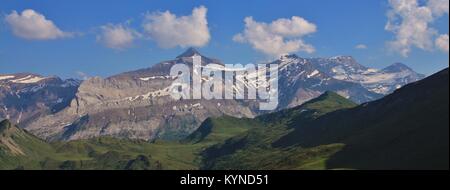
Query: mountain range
137, 104
407, 129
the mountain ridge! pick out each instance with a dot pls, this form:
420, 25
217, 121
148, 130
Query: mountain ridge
139, 100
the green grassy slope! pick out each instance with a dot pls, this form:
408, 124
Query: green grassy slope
221, 128
99, 153
253, 149
409, 129
20, 150
405, 130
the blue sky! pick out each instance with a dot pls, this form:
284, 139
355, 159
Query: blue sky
339, 27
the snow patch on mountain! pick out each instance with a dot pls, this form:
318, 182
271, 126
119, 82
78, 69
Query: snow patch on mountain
314, 73
157, 77
150, 95
6, 77
378, 81
28, 79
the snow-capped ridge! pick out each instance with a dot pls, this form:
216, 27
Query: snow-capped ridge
5, 77
342, 57
346, 68
28, 79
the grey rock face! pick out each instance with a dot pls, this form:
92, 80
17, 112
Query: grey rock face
134, 104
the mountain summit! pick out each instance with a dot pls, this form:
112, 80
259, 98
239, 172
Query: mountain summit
397, 67
189, 53
186, 56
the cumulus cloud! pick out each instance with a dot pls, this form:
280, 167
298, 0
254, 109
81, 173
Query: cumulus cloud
279, 37
438, 7
33, 26
361, 46
410, 22
117, 36
442, 42
170, 31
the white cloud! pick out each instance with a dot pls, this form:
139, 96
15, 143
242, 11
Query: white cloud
410, 22
361, 46
280, 37
34, 26
170, 31
442, 42
296, 26
117, 36
438, 7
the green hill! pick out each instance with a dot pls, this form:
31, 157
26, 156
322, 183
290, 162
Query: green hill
18, 148
253, 149
221, 128
405, 130
21, 150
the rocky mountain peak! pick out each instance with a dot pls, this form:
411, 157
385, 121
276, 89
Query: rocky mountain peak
186, 57
397, 67
190, 52
289, 56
